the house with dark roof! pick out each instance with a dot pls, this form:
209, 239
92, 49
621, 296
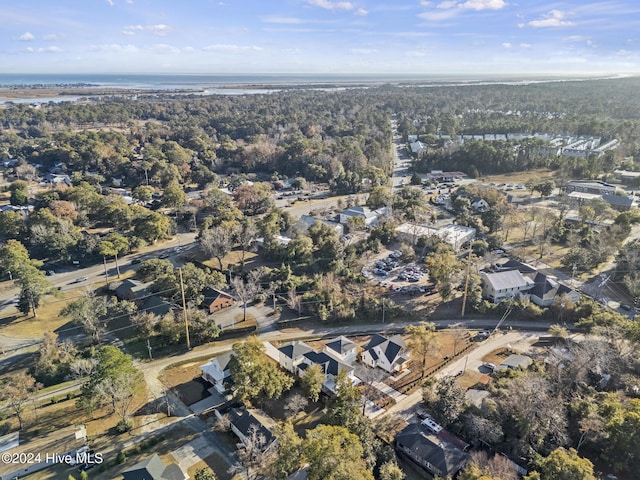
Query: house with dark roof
131, 290
546, 289
158, 306
330, 367
290, 355
216, 371
591, 186
432, 452
344, 349
216, 300
152, 468
244, 424
621, 203
386, 353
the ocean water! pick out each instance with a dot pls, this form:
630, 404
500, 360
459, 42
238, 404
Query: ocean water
183, 81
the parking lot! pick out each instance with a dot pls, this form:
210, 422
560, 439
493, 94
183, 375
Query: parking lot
400, 277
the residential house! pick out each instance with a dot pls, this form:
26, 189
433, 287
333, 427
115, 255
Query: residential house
344, 349
515, 362
330, 367
131, 290
417, 147
546, 289
158, 306
306, 221
412, 138
499, 286
153, 468
621, 203
244, 424
216, 300
479, 205
369, 216
386, 353
431, 451
216, 371
290, 355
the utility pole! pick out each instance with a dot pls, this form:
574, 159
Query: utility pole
149, 348
166, 399
106, 275
466, 282
184, 310
382, 309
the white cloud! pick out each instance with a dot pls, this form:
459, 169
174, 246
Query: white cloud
483, 4
506, 45
27, 37
232, 49
50, 37
447, 4
114, 48
29, 49
282, 20
131, 30
425, 3
110, 2
160, 30
51, 49
555, 18
291, 51
188, 49
164, 49
415, 53
329, 5
525, 45
361, 12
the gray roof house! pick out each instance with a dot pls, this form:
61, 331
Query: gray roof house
152, 468
290, 355
430, 451
306, 221
370, 216
343, 348
131, 290
243, 424
498, 286
546, 288
386, 353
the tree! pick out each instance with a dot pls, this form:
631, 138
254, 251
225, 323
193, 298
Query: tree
114, 382
154, 268
245, 235
343, 407
254, 454
423, 342
391, 471
444, 398
89, 312
312, 381
295, 405
247, 289
152, 226
173, 196
16, 391
112, 246
33, 286
562, 464
205, 474
334, 453
216, 242
289, 458
483, 467
254, 375
623, 439
443, 268
54, 358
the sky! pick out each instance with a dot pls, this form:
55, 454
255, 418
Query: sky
320, 36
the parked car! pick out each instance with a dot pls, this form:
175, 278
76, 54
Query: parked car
81, 279
135, 261
164, 255
382, 272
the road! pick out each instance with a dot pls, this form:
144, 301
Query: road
401, 160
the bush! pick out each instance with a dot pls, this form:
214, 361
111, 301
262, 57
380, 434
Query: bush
124, 426
4, 429
121, 457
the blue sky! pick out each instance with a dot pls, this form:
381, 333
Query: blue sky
320, 36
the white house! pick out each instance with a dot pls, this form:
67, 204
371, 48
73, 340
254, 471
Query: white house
370, 216
479, 205
417, 147
386, 353
290, 355
343, 349
330, 367
498, 286
217, 370
546, 288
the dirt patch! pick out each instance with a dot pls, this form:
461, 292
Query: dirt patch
498, 356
